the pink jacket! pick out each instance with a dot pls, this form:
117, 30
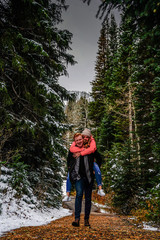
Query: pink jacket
84, 151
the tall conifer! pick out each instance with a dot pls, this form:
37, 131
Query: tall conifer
33, 55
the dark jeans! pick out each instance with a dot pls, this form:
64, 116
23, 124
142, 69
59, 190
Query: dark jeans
82, 186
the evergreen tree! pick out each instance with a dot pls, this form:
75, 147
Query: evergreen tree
33, 55
106, 134
107, 45
98, 91
113, 34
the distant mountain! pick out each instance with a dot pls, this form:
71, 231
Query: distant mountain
79, 94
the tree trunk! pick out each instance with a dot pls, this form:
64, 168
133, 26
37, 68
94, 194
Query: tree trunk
136, 134
130, 113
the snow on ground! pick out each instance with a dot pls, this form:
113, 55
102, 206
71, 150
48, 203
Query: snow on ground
102, 207
64, 188
32, 218
150, 228
19, 214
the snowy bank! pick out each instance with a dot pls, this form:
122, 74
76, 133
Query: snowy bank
32, 218
18, 213
150, 228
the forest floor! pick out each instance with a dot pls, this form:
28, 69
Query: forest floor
102, 227
106, 226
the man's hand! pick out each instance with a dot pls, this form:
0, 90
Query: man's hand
76, 155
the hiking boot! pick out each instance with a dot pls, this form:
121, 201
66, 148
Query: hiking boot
66, 199
86, 223
75, 223
101, 193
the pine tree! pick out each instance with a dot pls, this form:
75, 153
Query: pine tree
113, 36
106, 134
33, 55
98, 91
107, 47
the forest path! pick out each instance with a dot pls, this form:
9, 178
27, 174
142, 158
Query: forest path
106, 227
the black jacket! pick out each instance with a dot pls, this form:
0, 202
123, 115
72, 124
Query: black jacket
88, 164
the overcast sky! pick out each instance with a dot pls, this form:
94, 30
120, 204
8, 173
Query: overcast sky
80, 20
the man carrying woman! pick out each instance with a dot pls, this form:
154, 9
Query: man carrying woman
89, 146
80, 167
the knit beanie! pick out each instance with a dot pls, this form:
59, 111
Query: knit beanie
86, 132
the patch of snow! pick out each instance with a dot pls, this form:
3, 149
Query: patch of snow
16, 213
132, 218
64, 188
146, 226
102, 207
32, 217
150, 228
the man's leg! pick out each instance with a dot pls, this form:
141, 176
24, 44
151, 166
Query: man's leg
88, 196
78, 202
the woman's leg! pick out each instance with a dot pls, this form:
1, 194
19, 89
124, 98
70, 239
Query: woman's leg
68, 185
98, 176
68, 189
98, 179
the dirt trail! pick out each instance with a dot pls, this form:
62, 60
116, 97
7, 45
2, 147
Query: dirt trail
102, 227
